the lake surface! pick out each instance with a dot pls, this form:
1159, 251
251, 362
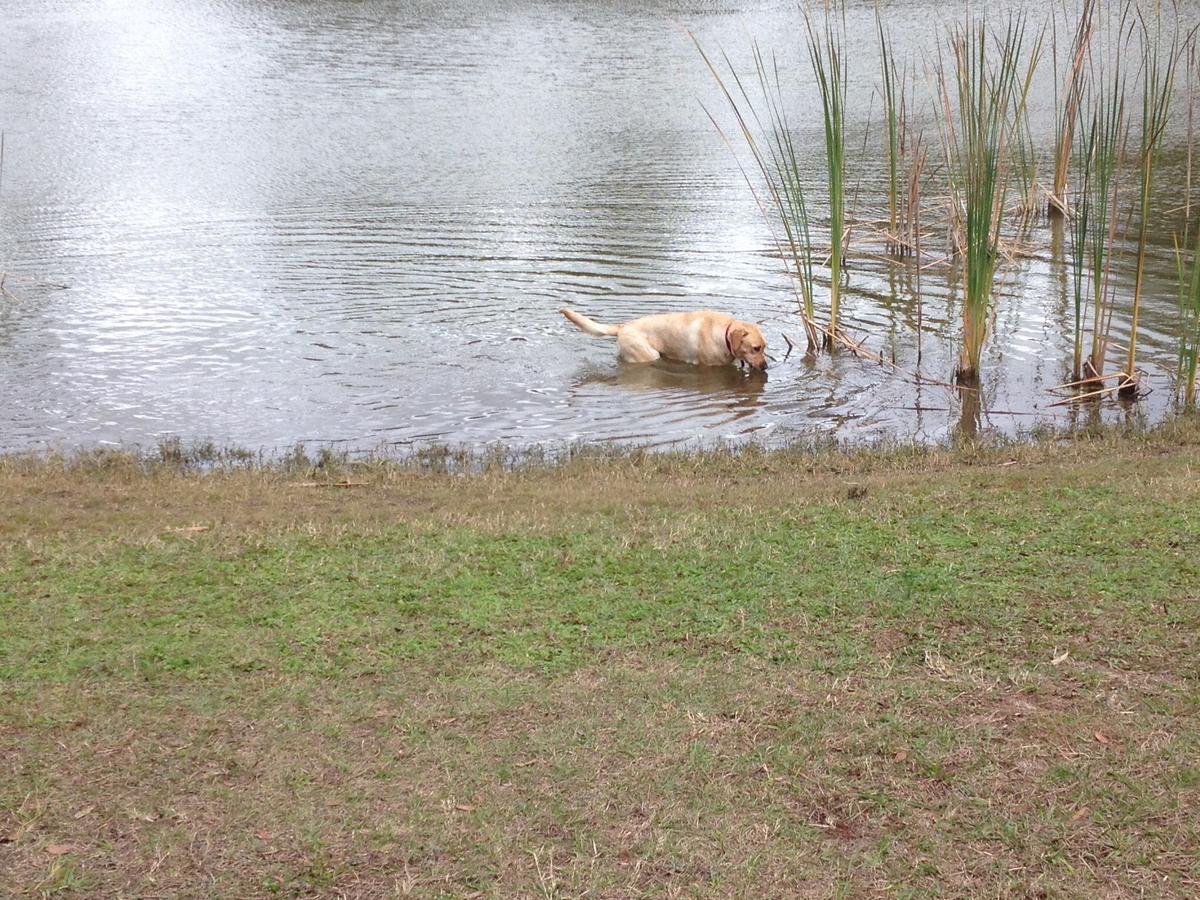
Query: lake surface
353, 224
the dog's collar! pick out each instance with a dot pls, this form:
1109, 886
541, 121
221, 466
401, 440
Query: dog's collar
729, 346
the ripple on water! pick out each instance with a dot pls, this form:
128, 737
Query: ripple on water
279, 222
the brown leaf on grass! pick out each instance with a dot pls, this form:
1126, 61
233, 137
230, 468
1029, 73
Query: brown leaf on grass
83, 812
464, 807
60, 849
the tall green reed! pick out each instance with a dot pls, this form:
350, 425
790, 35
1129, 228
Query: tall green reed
990, 97
1158, 82
768, 136
1189, 321
1081, 231
1100, 139
1101, 146
892, 114
1025, 157
829, 67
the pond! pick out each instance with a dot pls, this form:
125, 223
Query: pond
353, 224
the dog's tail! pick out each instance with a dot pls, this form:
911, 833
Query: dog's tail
587, 325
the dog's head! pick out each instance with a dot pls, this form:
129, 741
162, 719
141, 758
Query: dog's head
747, 344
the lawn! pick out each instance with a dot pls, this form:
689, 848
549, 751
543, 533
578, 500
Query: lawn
804, 673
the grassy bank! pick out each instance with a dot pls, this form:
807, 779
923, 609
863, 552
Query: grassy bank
961, 673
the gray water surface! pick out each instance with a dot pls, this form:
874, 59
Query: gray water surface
353, 223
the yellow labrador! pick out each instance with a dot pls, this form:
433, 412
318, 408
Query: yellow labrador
701, 338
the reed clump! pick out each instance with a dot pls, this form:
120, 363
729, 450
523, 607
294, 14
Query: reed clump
1158, 84
905, 150
990, 97
763, 125
829, 67
1056, 203
1101, 138
1189, 322
1113, 105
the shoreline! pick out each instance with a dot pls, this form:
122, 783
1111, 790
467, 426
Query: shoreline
821, 451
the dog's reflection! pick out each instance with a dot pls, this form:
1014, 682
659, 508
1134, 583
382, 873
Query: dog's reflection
745, 387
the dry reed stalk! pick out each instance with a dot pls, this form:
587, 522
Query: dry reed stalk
1056, 203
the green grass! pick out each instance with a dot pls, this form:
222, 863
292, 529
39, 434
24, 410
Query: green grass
911, 673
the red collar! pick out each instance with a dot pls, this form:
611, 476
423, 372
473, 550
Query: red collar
729, 346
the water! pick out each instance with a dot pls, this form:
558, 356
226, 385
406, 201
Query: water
267, 222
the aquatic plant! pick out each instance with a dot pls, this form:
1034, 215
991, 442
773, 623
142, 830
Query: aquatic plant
1102, 133
905, 151
992, 156
989, 96
774, 153
828, 64
1158, 82
1189, 321
1025, 158
920, 154
1102, 160
1068, 114
892, 117
1081, 225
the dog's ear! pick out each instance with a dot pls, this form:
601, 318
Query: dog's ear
737, 334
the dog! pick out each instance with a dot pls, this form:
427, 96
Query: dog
702, 338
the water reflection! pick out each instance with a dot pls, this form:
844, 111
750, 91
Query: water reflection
738, 390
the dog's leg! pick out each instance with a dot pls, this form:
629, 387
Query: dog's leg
633, 347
